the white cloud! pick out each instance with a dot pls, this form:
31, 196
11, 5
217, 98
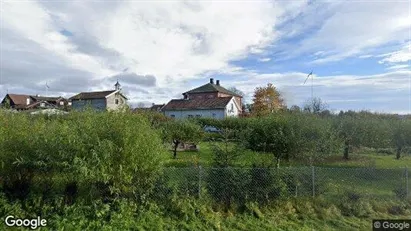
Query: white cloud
172, 41
401, 56
355, 27
381, 92
397, 67
264, 59
364, 56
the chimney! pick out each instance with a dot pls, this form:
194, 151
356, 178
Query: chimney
211, 80
218, 82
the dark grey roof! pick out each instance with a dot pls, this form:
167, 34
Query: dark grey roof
92, 95
211, 87
197, 104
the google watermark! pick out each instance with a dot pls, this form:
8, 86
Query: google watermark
391, 225
31, 223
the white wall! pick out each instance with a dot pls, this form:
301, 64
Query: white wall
215, 113
111, 101
232, 105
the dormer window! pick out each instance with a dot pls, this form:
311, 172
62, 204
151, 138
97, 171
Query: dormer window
28, 101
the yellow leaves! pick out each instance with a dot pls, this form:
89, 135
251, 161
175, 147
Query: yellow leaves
267, 100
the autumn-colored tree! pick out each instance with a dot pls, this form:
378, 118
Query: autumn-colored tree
266, 100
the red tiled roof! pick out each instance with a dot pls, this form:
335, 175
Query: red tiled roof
197, 104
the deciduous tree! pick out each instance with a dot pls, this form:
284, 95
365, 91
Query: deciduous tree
267, 100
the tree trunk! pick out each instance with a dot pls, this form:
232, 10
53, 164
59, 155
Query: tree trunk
346, 149
399, 149
278, 162
176, 143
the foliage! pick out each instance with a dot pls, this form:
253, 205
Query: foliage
266, 100
237, 91
291, 136
401, 136
180, 131
315, 106
82, 154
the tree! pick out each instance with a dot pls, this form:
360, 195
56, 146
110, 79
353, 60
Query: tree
401, 136
237, 91
315, 106
295, 108
267, 100
141, 105
179, 131
7, 104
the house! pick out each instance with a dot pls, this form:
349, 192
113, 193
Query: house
209, 100
29, 102
157, 107
100, 100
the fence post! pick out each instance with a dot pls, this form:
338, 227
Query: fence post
406, 183
199, 181
313, 179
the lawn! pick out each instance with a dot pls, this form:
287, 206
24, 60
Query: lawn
204, 157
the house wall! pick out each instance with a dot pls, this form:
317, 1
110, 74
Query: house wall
111, 101
98, 104
232, 109
215, 113
237, 99
205, 95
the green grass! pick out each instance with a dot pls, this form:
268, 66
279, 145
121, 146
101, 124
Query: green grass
365, 173
204, 157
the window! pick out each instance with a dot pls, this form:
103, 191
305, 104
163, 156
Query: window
198, 116
232, 108
116, 101
42, 104
172, 116
69, 103
190, 116
61, 103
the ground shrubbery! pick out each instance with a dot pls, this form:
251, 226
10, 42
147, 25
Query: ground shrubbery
83, 155
103, 171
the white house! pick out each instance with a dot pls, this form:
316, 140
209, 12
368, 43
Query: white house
210, 100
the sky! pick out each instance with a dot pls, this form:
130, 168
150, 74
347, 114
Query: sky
359, 51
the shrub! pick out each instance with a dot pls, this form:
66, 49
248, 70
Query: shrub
116, 152
265, 185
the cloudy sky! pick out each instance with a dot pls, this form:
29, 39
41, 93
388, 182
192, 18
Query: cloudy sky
359, 51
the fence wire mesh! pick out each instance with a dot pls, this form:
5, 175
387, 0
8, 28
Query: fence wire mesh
229, 185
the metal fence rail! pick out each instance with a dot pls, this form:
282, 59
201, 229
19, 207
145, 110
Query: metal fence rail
266, 184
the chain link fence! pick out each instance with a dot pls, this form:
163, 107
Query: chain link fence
237, 185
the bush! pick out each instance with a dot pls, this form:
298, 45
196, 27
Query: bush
265, 185
114, 152
227, 186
